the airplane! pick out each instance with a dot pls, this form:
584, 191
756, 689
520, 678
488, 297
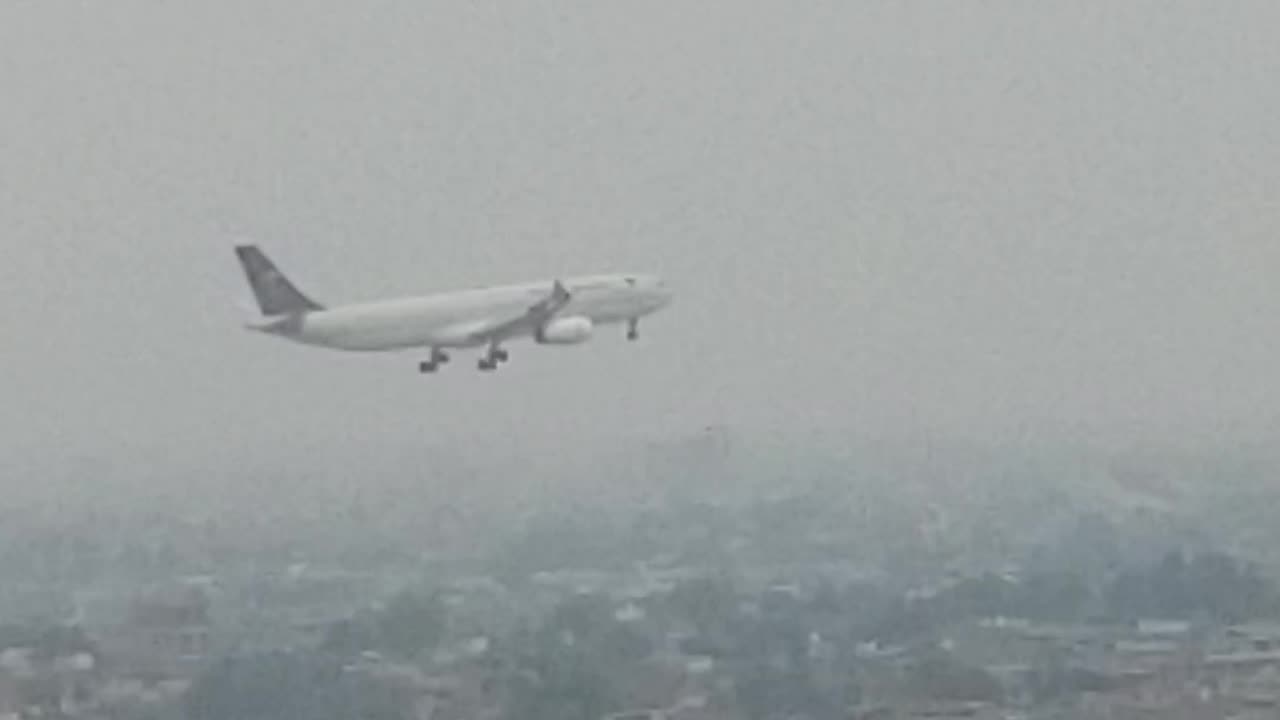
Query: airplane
554, 312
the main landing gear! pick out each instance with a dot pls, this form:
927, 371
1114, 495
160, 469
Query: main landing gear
487, 362
633, 330
490, 360
438, 358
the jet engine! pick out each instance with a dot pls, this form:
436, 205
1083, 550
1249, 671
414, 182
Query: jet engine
564, 331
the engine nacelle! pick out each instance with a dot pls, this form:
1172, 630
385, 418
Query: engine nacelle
564, 331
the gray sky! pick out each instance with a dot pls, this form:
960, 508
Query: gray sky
984, 220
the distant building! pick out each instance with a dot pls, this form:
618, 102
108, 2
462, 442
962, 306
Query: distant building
167, 633
1163, 628
1259, 637
638, 715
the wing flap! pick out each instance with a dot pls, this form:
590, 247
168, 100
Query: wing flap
498, 329
537, 315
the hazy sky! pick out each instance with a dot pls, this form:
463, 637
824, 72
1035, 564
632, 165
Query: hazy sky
988, 220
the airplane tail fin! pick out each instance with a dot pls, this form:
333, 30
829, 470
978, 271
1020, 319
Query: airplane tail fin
273, 291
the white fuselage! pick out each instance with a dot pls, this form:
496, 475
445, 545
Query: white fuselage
457, 319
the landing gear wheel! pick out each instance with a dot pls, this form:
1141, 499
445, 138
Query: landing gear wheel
500, 355
486, 365
440, 357
428, 366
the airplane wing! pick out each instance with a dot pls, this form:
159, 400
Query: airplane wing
537, 314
